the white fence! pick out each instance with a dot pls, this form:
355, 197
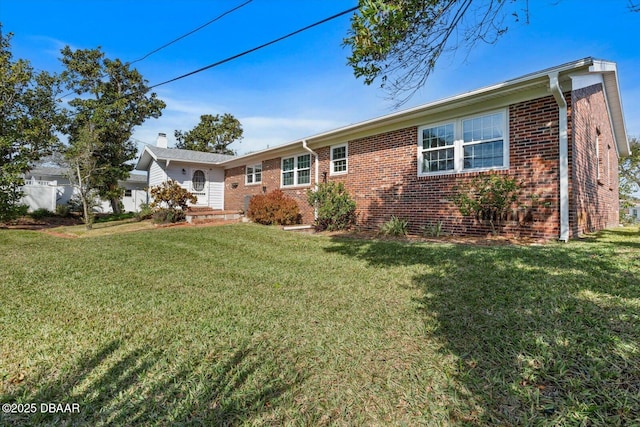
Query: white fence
48, 194
41, 194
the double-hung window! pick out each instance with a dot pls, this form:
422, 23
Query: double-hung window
437, 148
296, 170
339, 159
254, 174
465, 144
483, 141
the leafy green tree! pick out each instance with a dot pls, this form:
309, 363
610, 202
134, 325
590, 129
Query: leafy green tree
399, 42
213, 134
629, 171
28, 121
112, 99
83, 168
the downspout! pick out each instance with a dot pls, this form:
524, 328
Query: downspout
306, 147
554, 85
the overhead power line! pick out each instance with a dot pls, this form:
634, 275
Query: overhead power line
179, 38
191, 32
246, 52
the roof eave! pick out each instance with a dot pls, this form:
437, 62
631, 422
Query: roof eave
537, 79
612, 91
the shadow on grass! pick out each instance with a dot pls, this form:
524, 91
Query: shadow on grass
142, 387
543, 335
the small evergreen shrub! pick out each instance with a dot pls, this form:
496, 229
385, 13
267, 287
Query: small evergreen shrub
395, 227
336, 208
145, 212
274, 208
41, 213
63, 210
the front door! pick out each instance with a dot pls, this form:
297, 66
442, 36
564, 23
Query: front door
200, 187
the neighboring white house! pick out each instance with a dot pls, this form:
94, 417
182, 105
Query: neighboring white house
46, 187
198, 172
634, 212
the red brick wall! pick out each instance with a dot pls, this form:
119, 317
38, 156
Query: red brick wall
382, 176
594, 172
234, 198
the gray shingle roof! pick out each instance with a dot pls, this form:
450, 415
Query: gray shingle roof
187, 155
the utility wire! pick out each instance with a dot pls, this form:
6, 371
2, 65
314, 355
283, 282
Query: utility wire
190, 32
246, 52
179, 38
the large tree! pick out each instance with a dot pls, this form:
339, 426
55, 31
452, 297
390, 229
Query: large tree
399, 42
213, 134
111, 100
28, 121
629, 169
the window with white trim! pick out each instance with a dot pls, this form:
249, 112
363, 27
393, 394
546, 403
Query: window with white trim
254, 174
465, 144
339, 156
296, 170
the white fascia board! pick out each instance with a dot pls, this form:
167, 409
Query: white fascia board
520, 84
145, 159
606, 73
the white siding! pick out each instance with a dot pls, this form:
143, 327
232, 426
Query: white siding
157, 174
214, 176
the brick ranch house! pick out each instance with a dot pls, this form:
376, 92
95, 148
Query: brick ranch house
559, 131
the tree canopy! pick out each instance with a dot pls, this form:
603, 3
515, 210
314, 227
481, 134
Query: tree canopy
629, 169
28, 121
111, 99
399, 42
213, 134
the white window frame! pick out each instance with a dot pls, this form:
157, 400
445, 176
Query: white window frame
296, 171
334, 160
459, 144
253, 174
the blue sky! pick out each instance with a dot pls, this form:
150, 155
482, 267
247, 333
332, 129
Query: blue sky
302, 86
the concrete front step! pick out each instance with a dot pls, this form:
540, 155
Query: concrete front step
300, 228
201, 216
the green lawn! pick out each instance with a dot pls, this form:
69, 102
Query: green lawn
244, 324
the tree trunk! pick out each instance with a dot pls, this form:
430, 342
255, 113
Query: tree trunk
115, 206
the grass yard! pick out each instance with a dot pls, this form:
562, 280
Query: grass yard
245, 324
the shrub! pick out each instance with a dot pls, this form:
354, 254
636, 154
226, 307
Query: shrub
63, 210
41, 213
171, 195
432, 229
336, 208
166, 216
170, 201
395, 227
488, 197
145, 212
274, 208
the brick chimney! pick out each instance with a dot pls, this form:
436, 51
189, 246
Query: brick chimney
162, 140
